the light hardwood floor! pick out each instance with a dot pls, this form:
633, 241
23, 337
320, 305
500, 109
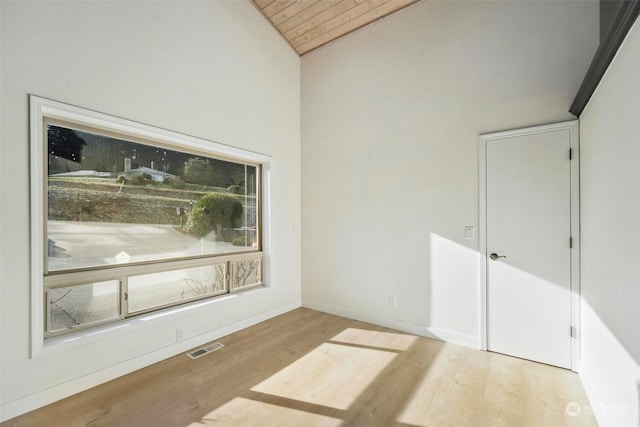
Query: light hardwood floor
307, 368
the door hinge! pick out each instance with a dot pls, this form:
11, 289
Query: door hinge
572, 331
570, 153
570, 242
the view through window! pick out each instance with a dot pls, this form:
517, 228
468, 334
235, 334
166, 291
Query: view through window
133, 224
115, 201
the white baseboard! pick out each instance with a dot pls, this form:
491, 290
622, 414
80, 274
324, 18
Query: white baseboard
456, 338
41, 398
412, 328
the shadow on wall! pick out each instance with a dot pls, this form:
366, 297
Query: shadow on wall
625, 338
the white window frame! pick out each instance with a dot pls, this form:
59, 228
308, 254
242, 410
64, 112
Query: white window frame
42, 110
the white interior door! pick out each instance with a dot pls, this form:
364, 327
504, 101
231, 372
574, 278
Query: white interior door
528, 231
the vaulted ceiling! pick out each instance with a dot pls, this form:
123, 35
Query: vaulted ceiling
309, 24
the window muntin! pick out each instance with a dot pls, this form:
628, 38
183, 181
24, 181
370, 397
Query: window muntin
100, 284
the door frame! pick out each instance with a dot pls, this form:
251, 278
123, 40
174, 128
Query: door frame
574, 144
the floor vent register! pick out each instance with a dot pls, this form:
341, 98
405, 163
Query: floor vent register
205, 350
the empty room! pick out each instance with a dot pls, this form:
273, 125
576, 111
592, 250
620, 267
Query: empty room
320, 213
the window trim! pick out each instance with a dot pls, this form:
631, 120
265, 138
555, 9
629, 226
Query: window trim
44, 111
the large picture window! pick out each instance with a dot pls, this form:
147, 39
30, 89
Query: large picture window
129, 219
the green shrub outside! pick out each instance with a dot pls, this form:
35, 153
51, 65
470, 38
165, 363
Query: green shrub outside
200, 171
176, 182
214, 209
142, 179
239, 241
235, 189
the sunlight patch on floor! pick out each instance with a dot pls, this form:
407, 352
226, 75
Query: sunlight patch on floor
382, 340
246, 412
332, 375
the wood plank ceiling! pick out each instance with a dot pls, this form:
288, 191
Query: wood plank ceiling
309, 24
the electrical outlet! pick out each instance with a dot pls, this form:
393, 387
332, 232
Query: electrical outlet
468, 232
179, 334
393, 302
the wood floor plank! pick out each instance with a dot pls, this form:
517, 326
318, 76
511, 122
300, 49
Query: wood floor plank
307, 368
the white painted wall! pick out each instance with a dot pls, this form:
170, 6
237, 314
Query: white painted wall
610, 197
215, 70
390, 121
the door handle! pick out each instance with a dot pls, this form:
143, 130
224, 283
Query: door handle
494, 256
